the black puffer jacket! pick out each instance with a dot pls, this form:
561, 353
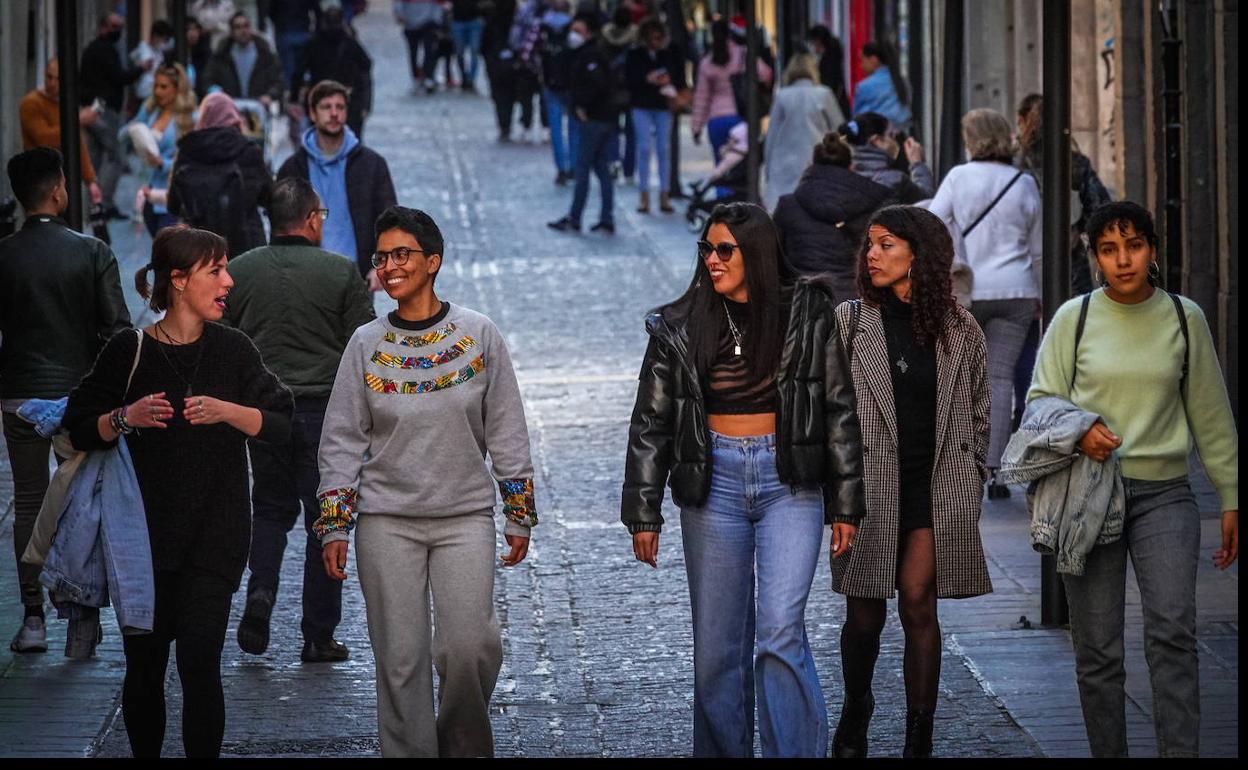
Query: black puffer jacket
821, 223
817, 435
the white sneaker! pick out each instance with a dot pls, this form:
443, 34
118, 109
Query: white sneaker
31, 637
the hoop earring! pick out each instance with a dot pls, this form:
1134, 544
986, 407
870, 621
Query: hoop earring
1100, 278
1154, 273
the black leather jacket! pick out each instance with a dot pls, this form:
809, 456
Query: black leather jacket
60, 301
817, 435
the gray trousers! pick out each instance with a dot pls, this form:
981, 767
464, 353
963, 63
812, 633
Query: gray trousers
105, 151
1162, 536
1005, 323
401, 561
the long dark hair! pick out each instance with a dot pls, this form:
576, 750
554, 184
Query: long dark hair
719, 42
884, 52
765, 273
931, 289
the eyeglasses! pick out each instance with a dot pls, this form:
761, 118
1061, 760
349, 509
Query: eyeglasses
322, 213
722, 250
397, 257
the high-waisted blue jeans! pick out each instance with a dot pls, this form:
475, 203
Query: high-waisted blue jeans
743, 648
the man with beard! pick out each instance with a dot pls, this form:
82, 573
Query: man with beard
334, 54
352, 180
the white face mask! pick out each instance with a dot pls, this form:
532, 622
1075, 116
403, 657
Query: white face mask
575, 40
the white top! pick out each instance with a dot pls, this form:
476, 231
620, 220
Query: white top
1004, 250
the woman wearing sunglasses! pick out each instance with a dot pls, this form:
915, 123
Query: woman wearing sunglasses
746, 408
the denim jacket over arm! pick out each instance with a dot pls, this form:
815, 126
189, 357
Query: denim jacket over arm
1076, 502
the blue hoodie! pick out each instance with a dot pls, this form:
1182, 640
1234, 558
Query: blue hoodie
329, 178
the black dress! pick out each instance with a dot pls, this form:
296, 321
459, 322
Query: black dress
913, 370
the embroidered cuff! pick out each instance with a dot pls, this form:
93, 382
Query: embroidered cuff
518, 503
337, 511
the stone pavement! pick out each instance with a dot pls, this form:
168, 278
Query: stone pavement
598, 649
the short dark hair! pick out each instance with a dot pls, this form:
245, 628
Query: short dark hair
415, 223
293, 198
177, 247
326, 89
592, 21
650, 26
33, 174
161, 28
233, 18
1119, 214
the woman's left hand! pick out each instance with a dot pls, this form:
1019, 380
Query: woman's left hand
519, 550
1226, 555
842, 539
205, 410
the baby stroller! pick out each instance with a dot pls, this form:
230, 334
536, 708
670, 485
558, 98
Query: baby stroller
728, 182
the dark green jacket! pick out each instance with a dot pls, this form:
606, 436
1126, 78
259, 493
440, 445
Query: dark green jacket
299, 304
60, 301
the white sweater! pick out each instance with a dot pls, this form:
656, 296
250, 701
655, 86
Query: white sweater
1005, 248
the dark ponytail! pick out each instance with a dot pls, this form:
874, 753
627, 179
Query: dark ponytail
178, 248
864, 126
884, 52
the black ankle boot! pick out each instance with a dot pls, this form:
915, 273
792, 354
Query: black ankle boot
850, 741
918, 734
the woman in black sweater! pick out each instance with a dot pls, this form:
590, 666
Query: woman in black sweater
199, 390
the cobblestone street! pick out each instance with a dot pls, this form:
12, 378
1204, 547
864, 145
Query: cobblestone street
597, 647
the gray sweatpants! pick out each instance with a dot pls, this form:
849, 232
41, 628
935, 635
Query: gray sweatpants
402, 559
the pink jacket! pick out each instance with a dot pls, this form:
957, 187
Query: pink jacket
713, 96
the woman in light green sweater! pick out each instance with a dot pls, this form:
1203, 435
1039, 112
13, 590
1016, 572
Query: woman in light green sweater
1146, 364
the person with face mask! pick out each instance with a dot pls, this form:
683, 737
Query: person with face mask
157, 47
334, 54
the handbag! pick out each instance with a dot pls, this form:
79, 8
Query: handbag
961, 274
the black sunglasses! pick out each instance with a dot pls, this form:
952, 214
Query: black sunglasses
722, 250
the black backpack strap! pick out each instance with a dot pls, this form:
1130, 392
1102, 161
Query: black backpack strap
992, 205
1187, 343
1083, 320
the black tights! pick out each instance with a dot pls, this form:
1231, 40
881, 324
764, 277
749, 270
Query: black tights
193, 609
916, 604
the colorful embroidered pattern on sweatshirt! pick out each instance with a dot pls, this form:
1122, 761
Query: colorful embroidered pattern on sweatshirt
518, 504
421, 341
407, 387
425, 362
337, 511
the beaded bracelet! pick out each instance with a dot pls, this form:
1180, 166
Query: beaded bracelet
117, 421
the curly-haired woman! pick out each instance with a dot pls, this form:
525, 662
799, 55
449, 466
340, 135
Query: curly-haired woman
919, 371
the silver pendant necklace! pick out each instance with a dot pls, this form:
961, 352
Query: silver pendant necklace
732, 329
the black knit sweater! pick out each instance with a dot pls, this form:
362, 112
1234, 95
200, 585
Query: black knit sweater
193, 478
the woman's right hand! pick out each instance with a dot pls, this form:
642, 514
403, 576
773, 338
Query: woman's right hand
646, 548
1099, 442
914, 151
334, 556
150, 411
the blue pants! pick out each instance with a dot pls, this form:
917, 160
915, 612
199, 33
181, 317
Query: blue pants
593, 153
653, 129
628, 155
290, 47
717, 132
467, 37
745, 649
563, 145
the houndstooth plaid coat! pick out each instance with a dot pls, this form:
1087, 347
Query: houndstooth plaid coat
869, 570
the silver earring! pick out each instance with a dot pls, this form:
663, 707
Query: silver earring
1154, 273
1100, 278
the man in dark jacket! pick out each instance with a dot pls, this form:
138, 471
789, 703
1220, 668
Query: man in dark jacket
352, 180
299, 304
60, 301
244, 65
334, 54
595, 107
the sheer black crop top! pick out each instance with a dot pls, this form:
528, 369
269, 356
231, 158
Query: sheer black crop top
730, 387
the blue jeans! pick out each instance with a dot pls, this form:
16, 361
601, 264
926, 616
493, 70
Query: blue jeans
467, 36
743, 648
717, 132
593, 152
653, 129
563, 145
290, 47
1162, 536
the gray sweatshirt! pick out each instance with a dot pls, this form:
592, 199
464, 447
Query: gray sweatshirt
413, 415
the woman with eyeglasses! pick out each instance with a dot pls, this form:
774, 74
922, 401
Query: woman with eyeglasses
746, 410
421, 396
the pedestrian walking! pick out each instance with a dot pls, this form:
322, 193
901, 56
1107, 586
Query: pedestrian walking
299, 304
199, 51
524, 41
1143, 362
714, 102
496, 48
352, 180
879, 157
150, 55
617, 38
104, 81
403, 463
293, 25
827, 47
557, 55
245, 66
992, 210
58, 285
595, 107
215, 17
754, 476
801, 114
39, 114
921, 380
168, 114
655, 75
882, 91
220, 178
824, 221
197, 392
466, 28
421, 21
334, 54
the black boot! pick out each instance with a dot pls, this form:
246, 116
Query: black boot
918, 734
850, 741
253, 629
